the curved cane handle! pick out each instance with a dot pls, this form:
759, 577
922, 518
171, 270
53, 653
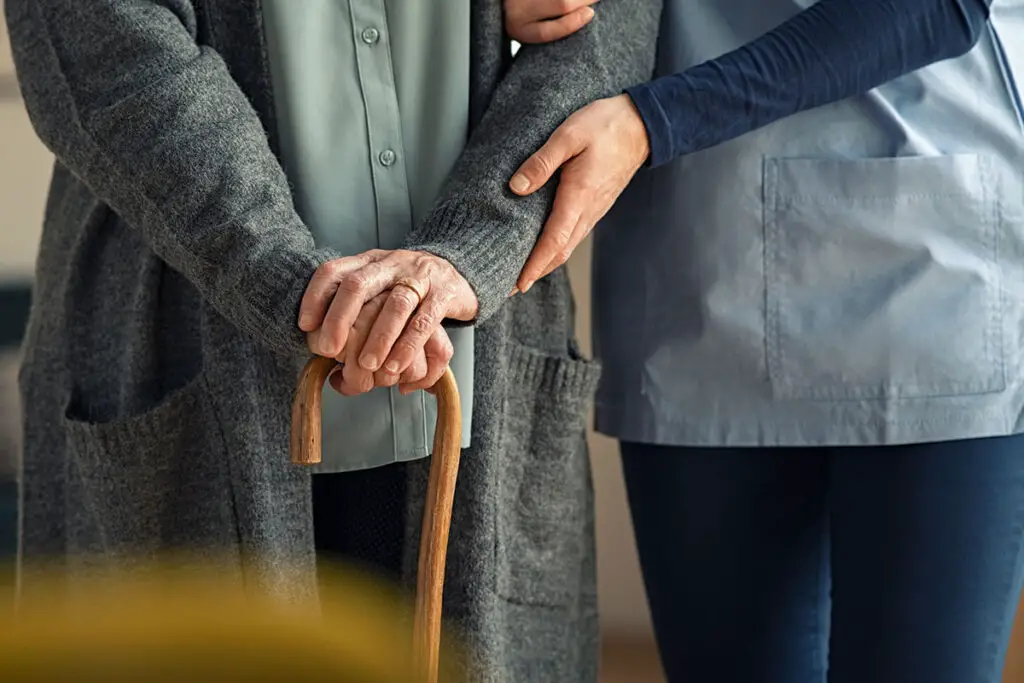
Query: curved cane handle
306, 411
437, 513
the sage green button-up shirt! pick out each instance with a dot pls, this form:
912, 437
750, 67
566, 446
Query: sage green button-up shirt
372, 102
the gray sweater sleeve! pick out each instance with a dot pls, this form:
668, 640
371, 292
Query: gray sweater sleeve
156, 127
478, 225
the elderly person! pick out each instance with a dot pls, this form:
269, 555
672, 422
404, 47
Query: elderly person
214, 161
810, 310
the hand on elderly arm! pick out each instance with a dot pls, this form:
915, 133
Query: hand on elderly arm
542, 21
599, 149
380, 314
832, 50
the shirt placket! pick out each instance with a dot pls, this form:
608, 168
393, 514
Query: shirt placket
383, 122
390, 184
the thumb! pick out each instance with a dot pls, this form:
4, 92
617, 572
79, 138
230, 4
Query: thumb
563, 145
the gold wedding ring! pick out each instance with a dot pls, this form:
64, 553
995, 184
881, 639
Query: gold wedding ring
414, 286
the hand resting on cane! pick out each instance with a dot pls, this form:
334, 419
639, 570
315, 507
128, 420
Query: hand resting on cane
380, 313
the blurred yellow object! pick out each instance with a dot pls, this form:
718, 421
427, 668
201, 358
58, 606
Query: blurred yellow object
186, 626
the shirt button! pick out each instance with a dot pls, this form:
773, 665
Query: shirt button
370, 35
387, 157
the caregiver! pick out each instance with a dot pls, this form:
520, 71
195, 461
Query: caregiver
811, 312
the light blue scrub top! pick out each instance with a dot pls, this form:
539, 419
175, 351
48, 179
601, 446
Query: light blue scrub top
372, 99
850, 275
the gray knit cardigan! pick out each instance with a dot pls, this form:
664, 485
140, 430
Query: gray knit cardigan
162, 348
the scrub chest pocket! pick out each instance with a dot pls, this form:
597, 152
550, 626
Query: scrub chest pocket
882, 278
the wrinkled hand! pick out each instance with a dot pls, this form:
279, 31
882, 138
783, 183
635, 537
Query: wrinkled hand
544, 21
378, 311
599, 149
427, 366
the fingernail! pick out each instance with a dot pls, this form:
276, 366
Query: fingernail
519, 183
515, 290
588, 13
392, 366
526, 287
369, 362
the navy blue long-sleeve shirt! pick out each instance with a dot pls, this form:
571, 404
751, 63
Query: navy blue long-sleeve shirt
833, 50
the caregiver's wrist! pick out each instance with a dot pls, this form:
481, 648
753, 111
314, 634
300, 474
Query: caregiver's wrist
656, 123
657, 101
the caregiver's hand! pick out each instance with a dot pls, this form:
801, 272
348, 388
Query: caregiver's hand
543, 21
599, 149
420, 290
427, 366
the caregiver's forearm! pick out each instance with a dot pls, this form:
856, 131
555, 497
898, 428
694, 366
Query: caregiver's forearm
830, 51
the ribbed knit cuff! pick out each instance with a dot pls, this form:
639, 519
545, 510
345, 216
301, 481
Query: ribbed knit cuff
275, 288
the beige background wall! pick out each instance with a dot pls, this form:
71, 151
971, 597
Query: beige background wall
24, 170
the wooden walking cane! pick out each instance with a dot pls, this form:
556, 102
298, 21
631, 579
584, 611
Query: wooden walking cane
437, 514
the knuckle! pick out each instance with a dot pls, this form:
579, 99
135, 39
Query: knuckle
353, 282
406, 348
562, 236
422, 260
421, 325
404, 298
352, 385
541, 165
419, 371
329, 271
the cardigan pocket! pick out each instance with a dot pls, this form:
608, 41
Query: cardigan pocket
152, 483
545, 508
882, 277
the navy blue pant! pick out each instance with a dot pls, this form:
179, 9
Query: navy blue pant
847, 565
